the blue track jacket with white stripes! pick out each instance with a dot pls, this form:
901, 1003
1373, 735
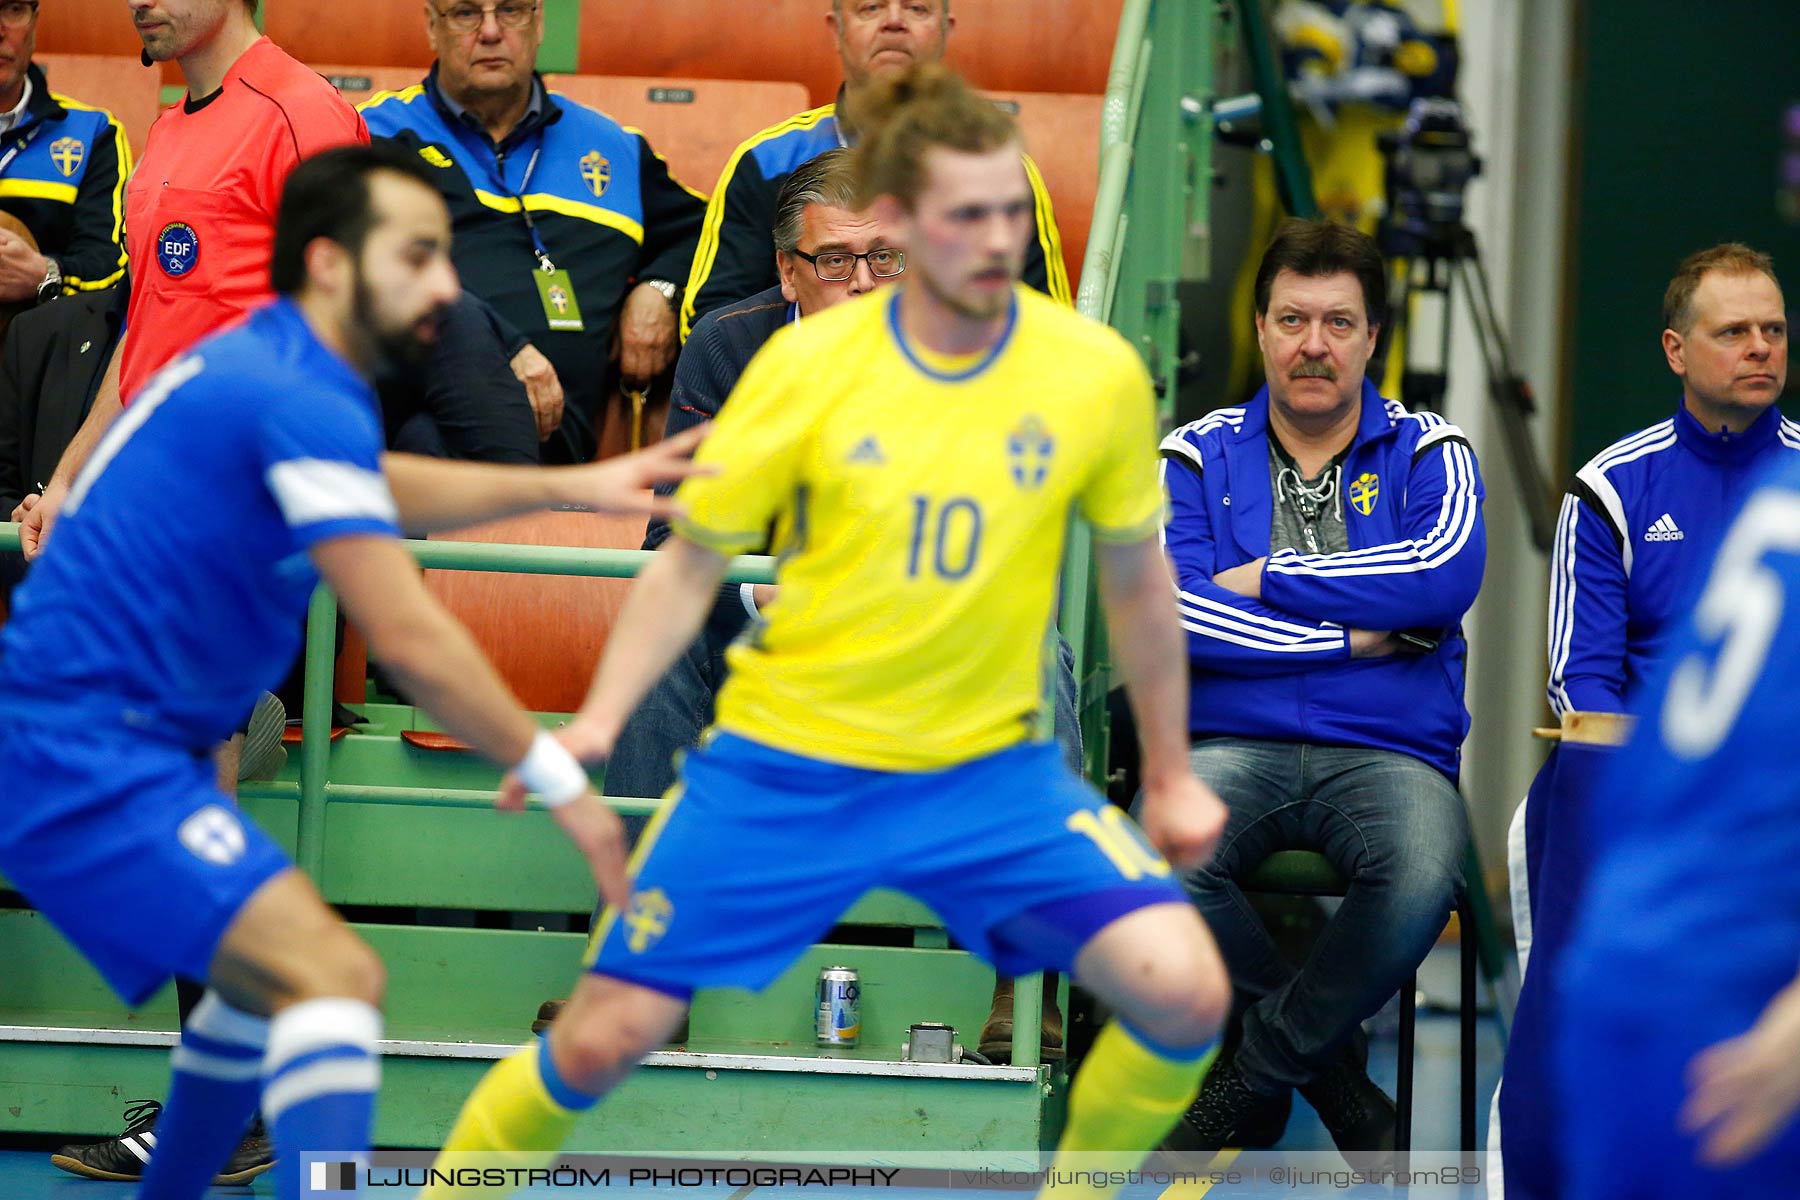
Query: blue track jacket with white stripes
1281, 668
1639, 521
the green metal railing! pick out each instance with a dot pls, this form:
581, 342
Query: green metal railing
321, 638
1148, 235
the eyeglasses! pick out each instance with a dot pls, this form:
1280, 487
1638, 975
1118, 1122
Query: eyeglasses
837, 266
15, 13
467, 18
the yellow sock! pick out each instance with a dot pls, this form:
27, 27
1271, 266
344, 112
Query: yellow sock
1125, 1098
509, 1113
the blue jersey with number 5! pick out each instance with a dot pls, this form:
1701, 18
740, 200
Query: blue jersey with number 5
1699, 822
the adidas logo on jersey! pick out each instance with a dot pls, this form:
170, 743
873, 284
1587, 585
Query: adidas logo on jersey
868, 451
1665, 530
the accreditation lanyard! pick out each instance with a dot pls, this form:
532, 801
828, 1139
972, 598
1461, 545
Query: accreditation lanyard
19, 144
537, 239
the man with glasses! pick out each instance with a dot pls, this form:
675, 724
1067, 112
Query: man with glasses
875, 39
200, 227
62, 175
567, 224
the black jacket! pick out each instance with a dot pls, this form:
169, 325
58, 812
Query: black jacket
50, 368
464, 402
714, 356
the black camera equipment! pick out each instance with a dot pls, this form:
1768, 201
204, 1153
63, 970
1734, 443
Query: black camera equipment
1429, 163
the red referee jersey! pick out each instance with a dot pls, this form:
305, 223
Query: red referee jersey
200, 209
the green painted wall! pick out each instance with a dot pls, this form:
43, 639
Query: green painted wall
1678, 125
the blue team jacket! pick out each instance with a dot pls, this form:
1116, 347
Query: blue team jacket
1281, 668
1641, 519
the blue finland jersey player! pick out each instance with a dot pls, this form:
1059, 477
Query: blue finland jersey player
173, 591
1679, 1022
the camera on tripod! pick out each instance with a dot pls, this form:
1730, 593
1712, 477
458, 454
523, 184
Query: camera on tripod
1430, 161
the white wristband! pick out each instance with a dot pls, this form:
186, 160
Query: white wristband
747, 596
551, 771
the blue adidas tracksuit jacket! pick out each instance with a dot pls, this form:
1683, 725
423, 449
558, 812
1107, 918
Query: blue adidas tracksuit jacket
1639, 520
1281, 668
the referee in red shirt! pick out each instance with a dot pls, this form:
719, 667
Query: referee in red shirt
200, 208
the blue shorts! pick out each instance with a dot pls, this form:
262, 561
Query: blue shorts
130, 849
759, 852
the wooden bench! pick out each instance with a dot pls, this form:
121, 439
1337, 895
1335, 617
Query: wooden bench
694, 124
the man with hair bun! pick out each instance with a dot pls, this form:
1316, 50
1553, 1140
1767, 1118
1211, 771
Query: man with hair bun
1640, 520
889, 713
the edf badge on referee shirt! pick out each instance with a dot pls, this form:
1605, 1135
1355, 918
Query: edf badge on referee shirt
177, 248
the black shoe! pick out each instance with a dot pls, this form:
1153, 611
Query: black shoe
1227, 1112
1358, 1115
122, 1159
254, 1155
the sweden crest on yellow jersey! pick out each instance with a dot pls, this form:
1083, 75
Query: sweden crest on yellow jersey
596, 172
648, 919
1364, 492
1029, 448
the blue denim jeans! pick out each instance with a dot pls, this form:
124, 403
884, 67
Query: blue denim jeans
680, 707
1392, 825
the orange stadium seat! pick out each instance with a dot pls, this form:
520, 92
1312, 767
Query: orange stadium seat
96, 27
385, 34
109, 81
1027, 45
1062, 134
544, 632
695, 124
357, 84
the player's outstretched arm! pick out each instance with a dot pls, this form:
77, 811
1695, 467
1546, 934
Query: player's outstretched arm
437, 664
1181, 815
661, 617
434, 494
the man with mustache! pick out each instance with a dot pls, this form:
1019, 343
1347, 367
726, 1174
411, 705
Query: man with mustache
1640, 520
876, 39
1326, 543
111, 822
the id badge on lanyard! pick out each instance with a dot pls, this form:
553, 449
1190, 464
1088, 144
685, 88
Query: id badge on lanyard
556, 292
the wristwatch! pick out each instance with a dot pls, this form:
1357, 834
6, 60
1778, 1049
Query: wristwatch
670, 292
51, 287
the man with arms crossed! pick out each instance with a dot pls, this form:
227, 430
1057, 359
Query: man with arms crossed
138, 639
887, 717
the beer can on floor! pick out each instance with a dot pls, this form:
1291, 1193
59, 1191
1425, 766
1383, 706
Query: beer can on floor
839, 1021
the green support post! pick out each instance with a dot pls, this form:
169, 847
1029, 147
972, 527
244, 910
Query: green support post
1293, 179
315, 730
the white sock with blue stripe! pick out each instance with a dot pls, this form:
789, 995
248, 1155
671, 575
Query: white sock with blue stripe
319, 1082
217, 1068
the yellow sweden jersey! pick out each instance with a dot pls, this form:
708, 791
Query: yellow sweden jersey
920, 514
